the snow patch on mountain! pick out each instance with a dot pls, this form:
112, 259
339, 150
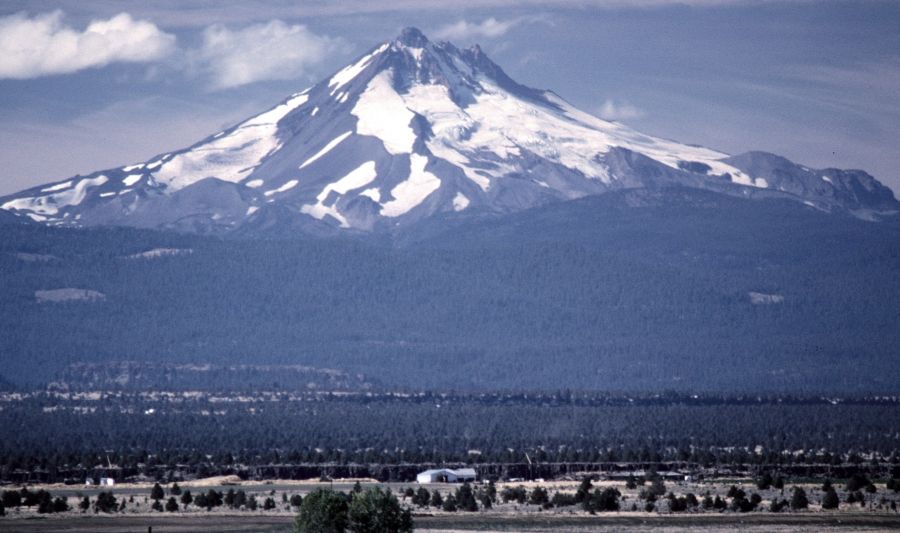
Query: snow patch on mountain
156, 253
761, 298
412, 192
288, 185
374, 194
450, 126
670, 153
34, 258
51, 203
68, 295
232, 156
348, 73
58, 186
460, 202
382, 113
355, 179
327, 148
569, 137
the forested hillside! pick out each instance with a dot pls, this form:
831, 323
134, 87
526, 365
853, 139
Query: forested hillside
681, 290
52, 433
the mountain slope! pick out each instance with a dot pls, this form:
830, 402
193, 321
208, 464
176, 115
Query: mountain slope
631, 290
410, 130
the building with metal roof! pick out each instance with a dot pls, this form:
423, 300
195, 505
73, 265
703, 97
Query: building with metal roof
447, 475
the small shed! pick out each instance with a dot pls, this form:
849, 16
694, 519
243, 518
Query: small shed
446, 475
107, 482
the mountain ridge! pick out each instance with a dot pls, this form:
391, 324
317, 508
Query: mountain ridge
408, 131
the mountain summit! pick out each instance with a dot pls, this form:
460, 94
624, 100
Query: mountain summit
410, 130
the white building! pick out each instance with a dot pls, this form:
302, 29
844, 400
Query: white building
107, 482
446, 475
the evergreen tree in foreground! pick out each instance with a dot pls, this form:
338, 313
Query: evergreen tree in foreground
799, 500
322, 511
378, 511
605, 500
584, 490
465, 498
436, 499
539, 496
371, 511
421, 497
171, 505
60, 505
830, 500
106, 502
450, 504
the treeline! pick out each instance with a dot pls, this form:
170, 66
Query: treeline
211, 498
41, 499
107, 502
52, 435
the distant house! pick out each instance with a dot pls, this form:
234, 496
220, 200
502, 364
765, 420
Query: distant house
446, 475
107, 482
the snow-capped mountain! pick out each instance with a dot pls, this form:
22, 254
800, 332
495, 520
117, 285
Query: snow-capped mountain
410, 130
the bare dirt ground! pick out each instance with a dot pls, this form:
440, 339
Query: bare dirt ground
756, 523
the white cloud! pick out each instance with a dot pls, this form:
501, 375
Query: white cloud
269, 51
489, 28
43, 45
621, 111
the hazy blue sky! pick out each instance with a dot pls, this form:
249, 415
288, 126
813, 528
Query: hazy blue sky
84, 87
